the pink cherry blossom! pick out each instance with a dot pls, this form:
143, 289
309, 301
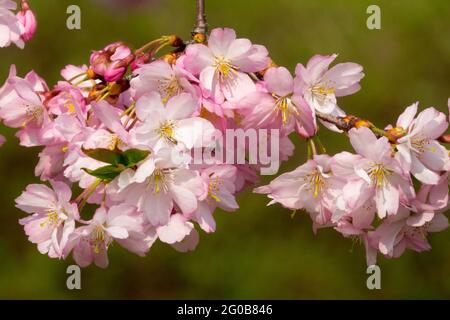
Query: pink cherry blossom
419, 151
220, 182
22, 107
159, 76
67, 99
377, 174
89, 244
52, 217
277, 107
407, 231
320, 86
311, 186
158, 185
224, 63
171, 125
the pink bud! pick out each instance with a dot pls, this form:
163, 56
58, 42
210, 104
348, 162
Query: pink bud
112, 62
27, 18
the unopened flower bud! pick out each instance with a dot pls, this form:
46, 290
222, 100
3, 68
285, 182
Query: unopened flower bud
112, 62
199, 38
27, 18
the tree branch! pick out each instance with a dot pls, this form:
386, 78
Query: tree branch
349, 122
201, 26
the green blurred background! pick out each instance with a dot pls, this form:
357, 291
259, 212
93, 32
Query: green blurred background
257, 252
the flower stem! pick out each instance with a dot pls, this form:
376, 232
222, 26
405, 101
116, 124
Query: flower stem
87, 193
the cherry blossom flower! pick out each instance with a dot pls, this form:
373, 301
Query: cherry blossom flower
52, 217
419, 151
90, 243
170, 125
377, 174
311, 186
223, 64
158, 185
220, 181
320, 86
277, 107
407, 231
159, 76
22, 107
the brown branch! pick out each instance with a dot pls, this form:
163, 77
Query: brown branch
201, 26
349, 122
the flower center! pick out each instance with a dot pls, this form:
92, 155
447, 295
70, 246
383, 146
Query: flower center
224, 69
321, 91
168, 88
316, 182
378, 173
166, 131
159, 180
115, 142
213, 188
52, 219
33, 114
284, 105
99, 238
419, 145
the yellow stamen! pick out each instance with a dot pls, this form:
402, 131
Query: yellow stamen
52, 219
225, 70
316, 182
166, 131
70, 108
213, 188
378, 173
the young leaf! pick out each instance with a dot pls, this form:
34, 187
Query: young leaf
134, 156
106, 173
105, 155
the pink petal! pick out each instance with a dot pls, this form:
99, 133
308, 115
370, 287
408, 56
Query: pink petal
279, 81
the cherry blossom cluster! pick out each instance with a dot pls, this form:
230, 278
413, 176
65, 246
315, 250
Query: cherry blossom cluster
389, 195
122, 133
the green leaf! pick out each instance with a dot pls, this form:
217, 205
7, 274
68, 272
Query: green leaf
134, 156
105, 155
106, 173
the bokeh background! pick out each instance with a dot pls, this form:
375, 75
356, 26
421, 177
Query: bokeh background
257, 252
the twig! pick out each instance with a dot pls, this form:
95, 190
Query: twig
201, 26
349, 122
